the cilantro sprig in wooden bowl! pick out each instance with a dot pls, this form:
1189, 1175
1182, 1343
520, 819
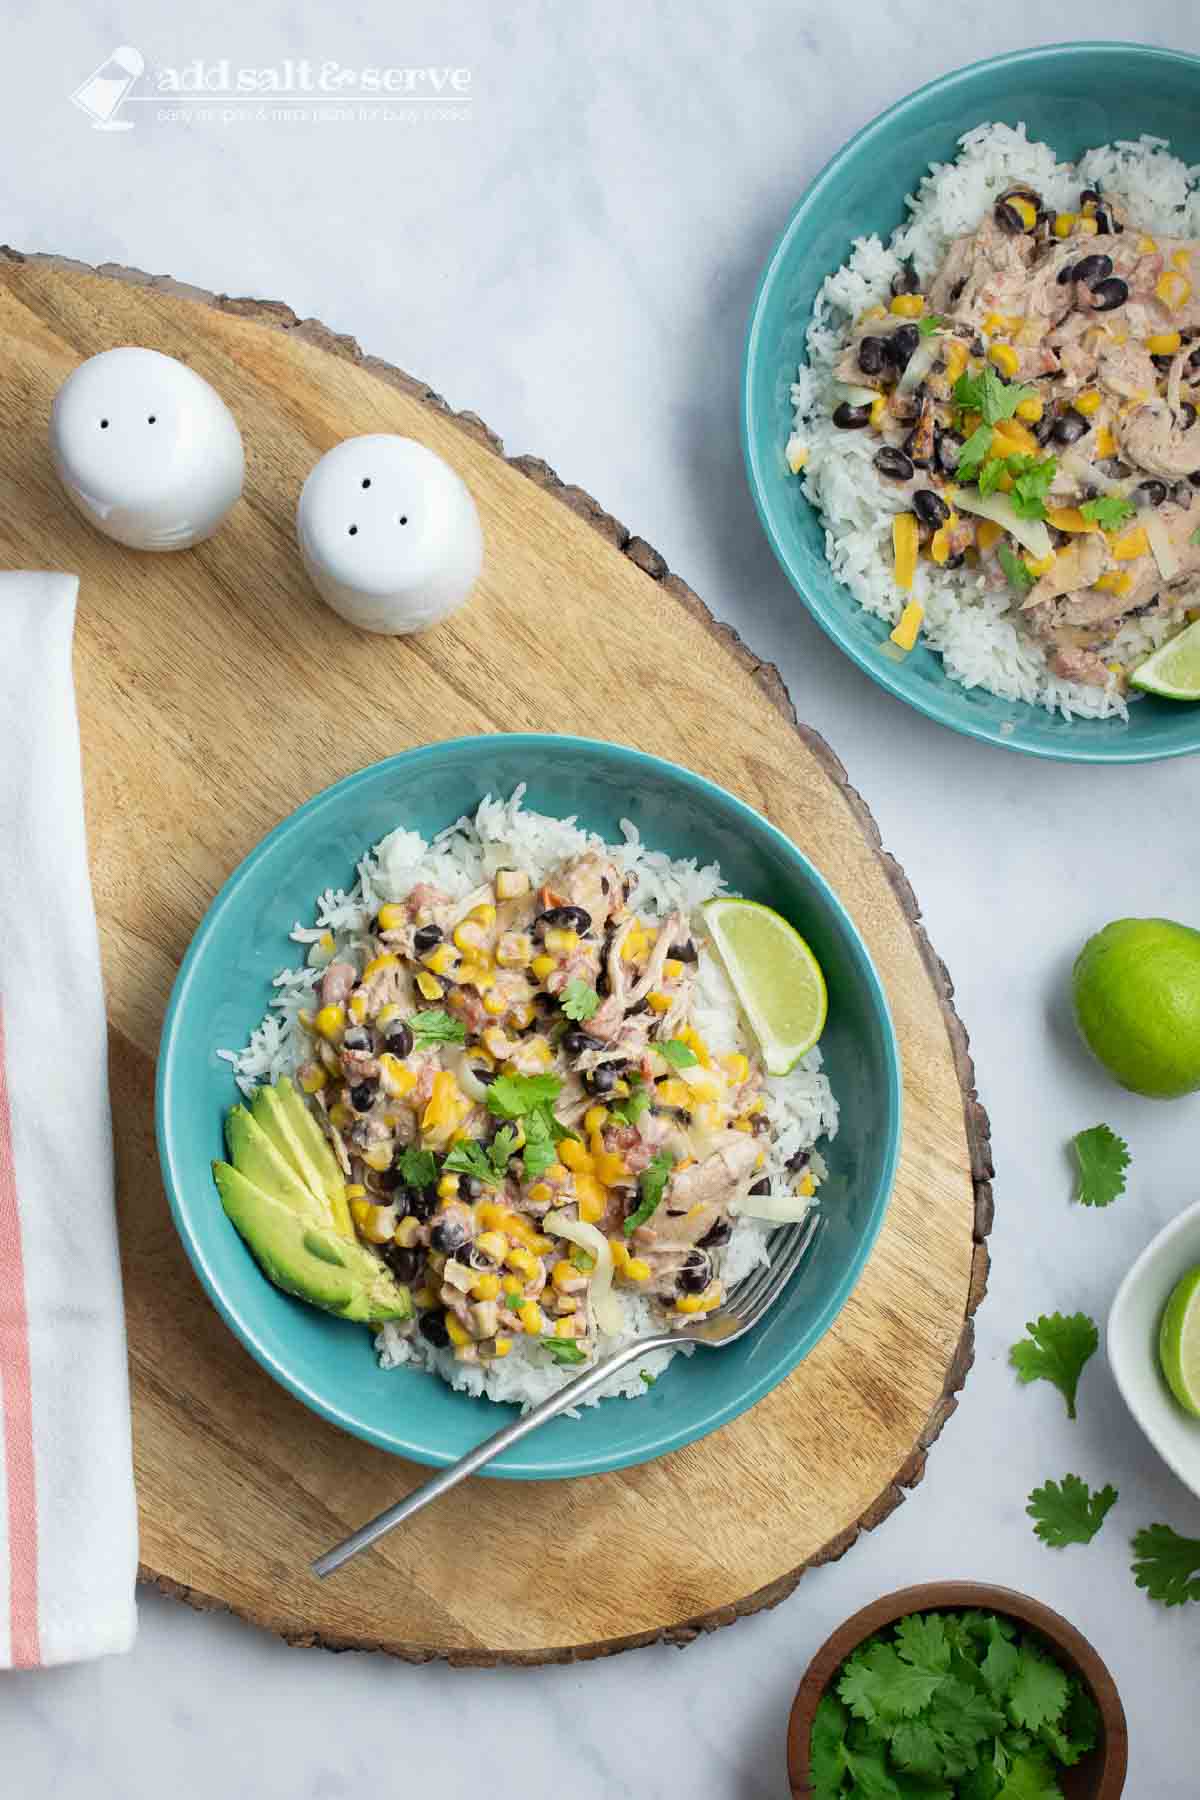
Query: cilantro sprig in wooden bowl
977, 1683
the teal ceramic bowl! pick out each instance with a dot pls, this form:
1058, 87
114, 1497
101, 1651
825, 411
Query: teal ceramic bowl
223, 989
1072, 96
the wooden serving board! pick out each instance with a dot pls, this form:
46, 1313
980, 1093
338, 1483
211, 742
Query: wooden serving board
188, 762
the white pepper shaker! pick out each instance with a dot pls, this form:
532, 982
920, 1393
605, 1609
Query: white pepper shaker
146, 449
389, 534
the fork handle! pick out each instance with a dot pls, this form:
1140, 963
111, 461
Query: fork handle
491, 1447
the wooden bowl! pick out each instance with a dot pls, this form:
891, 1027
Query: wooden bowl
1101, 1773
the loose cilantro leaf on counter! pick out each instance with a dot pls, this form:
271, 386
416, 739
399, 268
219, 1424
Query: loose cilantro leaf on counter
930, 323
651, 1186
1108, 511
1056, 1350
989, 396
677, 1053
418, 1168
1103, 1158
1167, 1565
578, 1000
563, 1350
512, 1096
1069, 1512
436, 1027
1018, 575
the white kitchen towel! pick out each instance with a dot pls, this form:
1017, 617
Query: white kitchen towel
68, 1522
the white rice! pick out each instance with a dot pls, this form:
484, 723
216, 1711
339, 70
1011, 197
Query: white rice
800, 1106
970, 625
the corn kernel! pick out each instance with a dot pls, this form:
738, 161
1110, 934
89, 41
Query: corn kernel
796, 454
564, 1275
468, 936
595, 1118
521, 1262
566, 1328
493, 1244
1088, 227
742, 1125
1025, 210
341, 1116
1106, 443
1087, 402
394, 1078
956, 359
510, 882
540, 1193
391, 918
806, 1187
636, 1269
1040, 565
620, 1252
476, 974
1114, 583
1147, 245
1164, 343
542, 966
379, 1225
1133, 543
379, 1156
447, 1187
565, 1303
514, 950
673, 1092
494, 1004
495, 1043
611, 1168
305, 1018
1064, 224
408, 1232
331, 1023
879, 411
1005, 358
360, 1210
908, 306
485, 1287
458, 1333
441, 960
591, 1197
556, 1172
1030, 410
1172, 289
533, 1319
561, 942
905, 539
736, 1066
380, 964
501, 1346
573, 1154
313, 1078
429, 985
356, 1006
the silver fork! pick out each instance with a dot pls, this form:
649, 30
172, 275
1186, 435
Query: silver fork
747, 1305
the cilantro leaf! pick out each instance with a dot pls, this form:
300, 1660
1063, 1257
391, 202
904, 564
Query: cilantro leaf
1030, 1778
1167, 1565
989, 396
921, 1640
582, 1259
647, 1377
826, 1747
1031, 484
991, 474
1069, 1513
563, 1350
1079, 1729
1018, 575
1195, 537
999, 1665
578, 1000
467, 1158
871, 1778
915, 1748
1039, 1690
513, 1096
628, 1112
501, 1148
651, 1187
677, 1053
436, 1027
930, 323
418, 1168
1056, 1350
973, 453
540, 1142
1109, 510
878, 1684
1103, 1159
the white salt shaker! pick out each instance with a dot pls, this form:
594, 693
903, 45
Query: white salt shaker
146, 448
389, 534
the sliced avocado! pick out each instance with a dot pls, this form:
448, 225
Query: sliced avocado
273, 1117
255, 1156
315, 1145
310, 1259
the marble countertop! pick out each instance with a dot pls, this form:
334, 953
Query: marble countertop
575, 261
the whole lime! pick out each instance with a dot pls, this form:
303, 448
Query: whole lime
1136, 988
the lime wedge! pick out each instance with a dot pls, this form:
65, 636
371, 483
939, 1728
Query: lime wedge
775, 975
1179, 1341
1173, 671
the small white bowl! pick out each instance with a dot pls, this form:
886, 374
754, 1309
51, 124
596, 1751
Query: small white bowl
1133, 1345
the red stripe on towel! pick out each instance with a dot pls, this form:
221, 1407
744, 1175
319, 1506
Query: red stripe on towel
17, 1395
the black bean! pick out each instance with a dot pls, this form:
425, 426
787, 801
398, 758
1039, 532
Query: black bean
718, 1234
565, 918
900, 345
687, 952
797, 1163
1091, 269
956, 291
419, 1202
951, 562
763, 1186
357, 1038
399, 1040
448, 1235
426, 938
1043, 431
851, 418
1069, 427
389, 1179
1107, 295
1186, 414
362, 1095
1089, 194
872, 355
695, 1274
893, 463
484, 1077
602, 1080
906, 282
1103, 224
1162, 363
433, 1330
1008, 218
946, 448
1149, 493
930, 508
1194, 478
1065, 274
576, 1043
1181, 493
402, 1263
